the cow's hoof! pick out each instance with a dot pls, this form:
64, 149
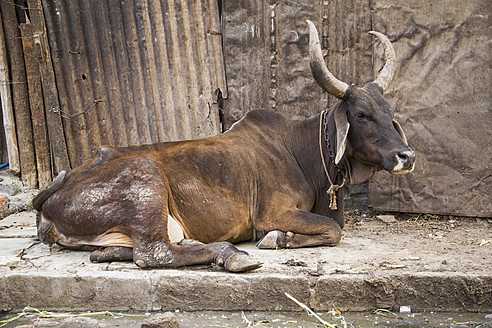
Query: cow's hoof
241, 262
271, 240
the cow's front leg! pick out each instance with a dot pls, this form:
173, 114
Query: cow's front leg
279, 239
298, 228
161, 254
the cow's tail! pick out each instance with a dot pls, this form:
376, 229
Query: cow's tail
38, 201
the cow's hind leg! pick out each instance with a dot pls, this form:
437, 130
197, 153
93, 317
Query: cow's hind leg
161, 254
110, 254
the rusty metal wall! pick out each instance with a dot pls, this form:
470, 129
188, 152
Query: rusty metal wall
142, 71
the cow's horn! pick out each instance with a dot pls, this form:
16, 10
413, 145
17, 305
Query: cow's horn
321, 74
386, 75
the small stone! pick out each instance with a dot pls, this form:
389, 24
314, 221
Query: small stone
4, 203
8, 189
161, 320
413, 258
387, 218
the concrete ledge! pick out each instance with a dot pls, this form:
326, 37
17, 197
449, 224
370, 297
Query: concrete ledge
190, 291
81, 291
422, 291
225, 291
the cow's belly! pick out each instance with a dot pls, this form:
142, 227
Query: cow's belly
211, 215
211, 228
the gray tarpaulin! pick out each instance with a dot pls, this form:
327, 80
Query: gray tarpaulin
442, 98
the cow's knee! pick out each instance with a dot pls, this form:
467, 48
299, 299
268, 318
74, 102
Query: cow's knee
330, 237
333, 237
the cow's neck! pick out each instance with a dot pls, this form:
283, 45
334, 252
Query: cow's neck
307, 151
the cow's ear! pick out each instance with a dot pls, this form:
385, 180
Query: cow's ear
400, 131
342, 125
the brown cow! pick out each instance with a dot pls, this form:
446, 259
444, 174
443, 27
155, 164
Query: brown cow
268, 175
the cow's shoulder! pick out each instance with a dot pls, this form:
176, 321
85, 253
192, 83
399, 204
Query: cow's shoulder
265, 116
261, 119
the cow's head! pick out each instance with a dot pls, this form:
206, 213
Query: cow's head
367, 136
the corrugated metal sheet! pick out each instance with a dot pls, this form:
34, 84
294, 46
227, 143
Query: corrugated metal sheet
155, 66
16, 97
347, 43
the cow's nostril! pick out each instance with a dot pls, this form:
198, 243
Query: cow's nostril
403, 157
406, 156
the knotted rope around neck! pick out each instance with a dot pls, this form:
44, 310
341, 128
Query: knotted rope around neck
332, 191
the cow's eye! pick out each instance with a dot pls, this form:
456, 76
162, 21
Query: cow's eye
361, 116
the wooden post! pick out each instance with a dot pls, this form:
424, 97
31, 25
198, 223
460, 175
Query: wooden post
40, 134
7, 109
20, 98
56, 135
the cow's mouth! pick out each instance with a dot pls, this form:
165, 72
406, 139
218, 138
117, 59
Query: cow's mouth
402, 171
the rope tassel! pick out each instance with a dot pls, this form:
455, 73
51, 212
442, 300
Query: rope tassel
332, 191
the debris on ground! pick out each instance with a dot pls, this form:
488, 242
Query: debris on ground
14, 196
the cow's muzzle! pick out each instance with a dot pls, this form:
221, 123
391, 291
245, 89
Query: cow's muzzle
405, 162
